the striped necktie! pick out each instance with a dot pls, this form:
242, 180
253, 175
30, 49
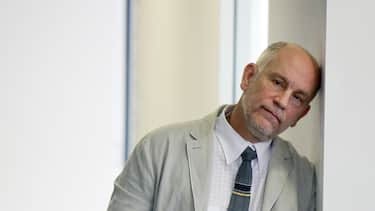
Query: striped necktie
240, 199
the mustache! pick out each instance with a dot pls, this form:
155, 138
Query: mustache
276, 112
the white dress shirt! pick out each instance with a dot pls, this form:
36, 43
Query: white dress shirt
226, 160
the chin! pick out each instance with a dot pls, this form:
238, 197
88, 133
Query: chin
259, 132
266, 127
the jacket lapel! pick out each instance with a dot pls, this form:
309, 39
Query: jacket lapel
199, 152
199, 165
278, 170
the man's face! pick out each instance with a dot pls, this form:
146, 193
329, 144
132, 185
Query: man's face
278, 96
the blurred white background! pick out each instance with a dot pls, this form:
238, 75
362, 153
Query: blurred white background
62, 107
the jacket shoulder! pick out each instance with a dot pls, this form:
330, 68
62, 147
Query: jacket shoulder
302, 162
178, 132
172, 132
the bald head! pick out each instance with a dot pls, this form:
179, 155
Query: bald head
272, 54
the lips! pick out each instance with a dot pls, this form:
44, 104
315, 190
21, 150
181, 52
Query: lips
274, 114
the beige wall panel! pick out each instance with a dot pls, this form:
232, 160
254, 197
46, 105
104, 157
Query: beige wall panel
176, 61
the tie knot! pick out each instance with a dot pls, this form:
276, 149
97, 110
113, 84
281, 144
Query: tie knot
248, 154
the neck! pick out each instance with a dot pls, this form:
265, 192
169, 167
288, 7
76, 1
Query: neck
236, 118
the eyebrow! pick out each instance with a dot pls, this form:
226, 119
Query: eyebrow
298, 91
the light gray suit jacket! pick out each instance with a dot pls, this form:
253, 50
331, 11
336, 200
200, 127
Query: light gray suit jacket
169, 170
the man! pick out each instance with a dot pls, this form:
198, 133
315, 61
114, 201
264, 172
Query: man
231, 159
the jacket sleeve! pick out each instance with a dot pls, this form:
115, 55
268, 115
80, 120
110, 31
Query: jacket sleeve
134, 187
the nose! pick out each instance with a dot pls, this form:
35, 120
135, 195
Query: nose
282, 99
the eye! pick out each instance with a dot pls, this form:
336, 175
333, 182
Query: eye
298, 99
277, 82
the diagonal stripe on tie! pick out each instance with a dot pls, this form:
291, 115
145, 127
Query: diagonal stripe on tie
240, 198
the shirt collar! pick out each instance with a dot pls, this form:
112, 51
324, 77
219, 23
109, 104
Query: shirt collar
233, 144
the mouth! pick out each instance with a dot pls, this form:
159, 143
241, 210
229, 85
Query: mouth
274, 114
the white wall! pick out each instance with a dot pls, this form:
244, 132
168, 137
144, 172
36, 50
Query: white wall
303, 22
61, 110
349, 107
176, 61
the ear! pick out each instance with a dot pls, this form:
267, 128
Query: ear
248, 73
307, 109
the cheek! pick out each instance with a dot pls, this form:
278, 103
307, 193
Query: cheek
263, 91
250, 101
292, 117
256, 95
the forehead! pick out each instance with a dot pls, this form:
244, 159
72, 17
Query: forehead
295, 66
